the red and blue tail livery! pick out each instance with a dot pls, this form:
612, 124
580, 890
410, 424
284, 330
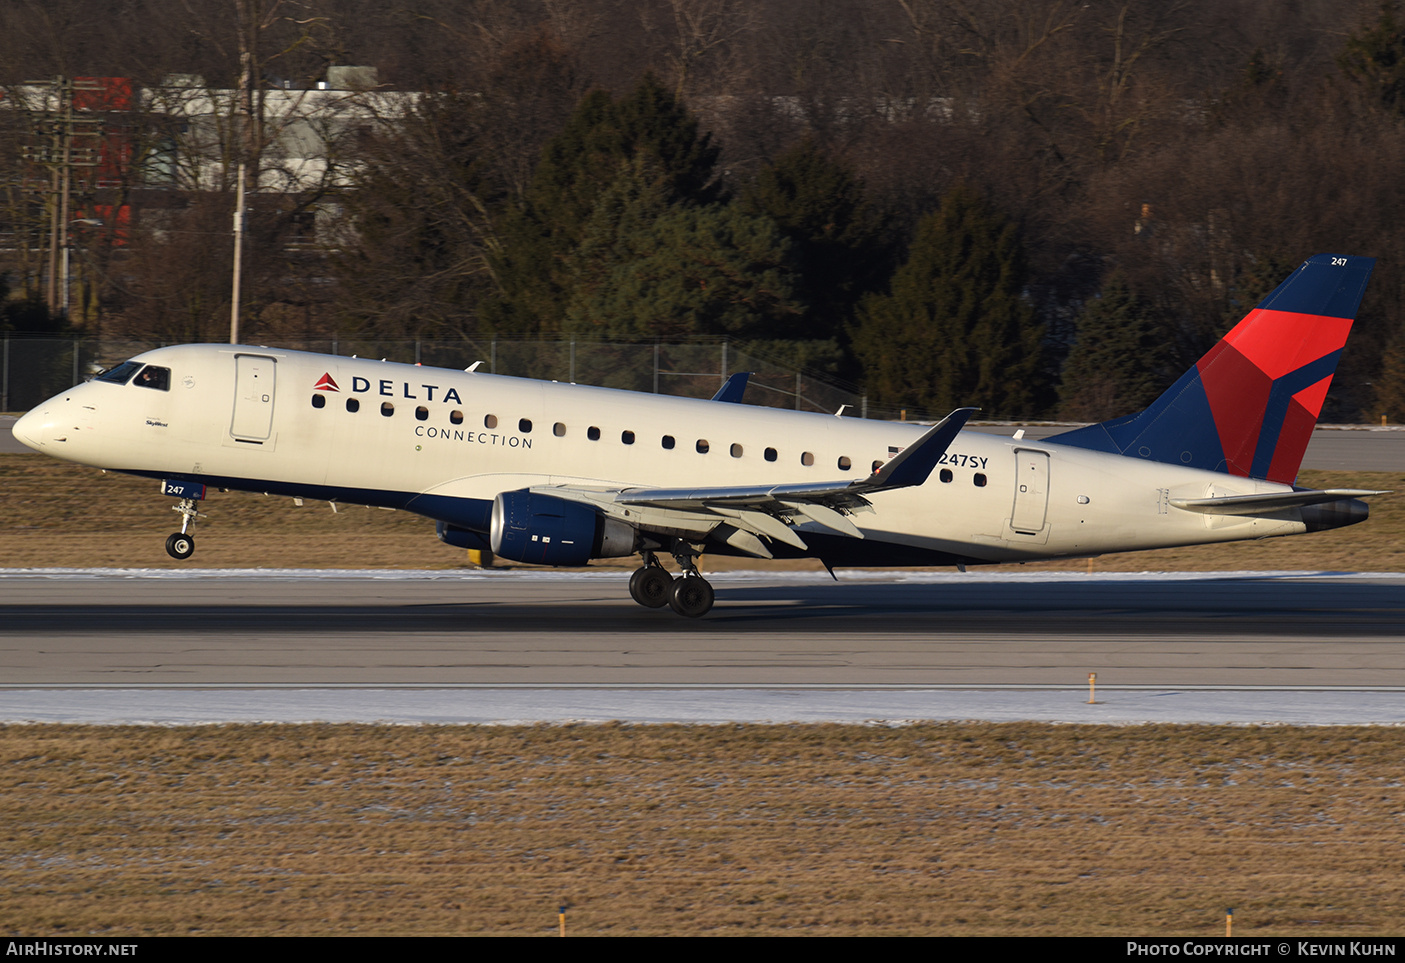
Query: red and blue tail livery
1249, 406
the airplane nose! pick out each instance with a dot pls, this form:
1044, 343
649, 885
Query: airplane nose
27, 429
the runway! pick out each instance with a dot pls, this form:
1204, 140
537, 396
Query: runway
208, 646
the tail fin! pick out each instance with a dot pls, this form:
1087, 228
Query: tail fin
1249, 406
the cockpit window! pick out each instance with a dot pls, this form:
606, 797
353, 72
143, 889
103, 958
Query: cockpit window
153, 377
120, 374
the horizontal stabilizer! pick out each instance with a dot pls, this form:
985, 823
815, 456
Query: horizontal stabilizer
1269, 502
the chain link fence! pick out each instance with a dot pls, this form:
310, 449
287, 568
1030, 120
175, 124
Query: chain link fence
33, 369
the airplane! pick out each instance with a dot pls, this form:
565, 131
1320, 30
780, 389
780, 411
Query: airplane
558, 474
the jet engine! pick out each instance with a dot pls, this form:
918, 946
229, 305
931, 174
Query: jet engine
545, 530
460, 537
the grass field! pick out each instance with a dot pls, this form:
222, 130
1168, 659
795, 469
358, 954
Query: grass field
57, 514
931, 829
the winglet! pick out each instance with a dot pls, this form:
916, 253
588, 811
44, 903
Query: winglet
733, 390
914, 463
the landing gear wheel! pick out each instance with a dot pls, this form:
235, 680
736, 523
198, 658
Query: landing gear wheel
691, 597
649, 586
180, 545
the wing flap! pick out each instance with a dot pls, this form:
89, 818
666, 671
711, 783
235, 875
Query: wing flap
762, 524
743, 541
826, 516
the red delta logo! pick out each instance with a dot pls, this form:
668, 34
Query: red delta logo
325, 383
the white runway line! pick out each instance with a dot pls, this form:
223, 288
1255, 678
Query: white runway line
504, 705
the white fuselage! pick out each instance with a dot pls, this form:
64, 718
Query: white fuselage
245, 418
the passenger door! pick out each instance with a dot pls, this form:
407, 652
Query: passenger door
254, 381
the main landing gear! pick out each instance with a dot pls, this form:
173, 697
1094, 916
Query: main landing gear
690, 595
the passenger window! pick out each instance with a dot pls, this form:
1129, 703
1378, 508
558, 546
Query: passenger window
703, 446
807, 459
559, 430
877, 464
668, 442
593, 433
771, 454
421, 413
946, 476
153, 377
387, 409
980, 480
490, 421
627, 437
524, 425
353, 405
319, 401
736, 450
456, 416
844, 463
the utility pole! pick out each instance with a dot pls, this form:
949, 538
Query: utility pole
242, 112
248, 139
72, 142
239, 218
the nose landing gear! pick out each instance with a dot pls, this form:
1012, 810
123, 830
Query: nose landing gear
181, 545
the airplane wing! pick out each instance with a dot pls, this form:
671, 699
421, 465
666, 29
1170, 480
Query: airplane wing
909, 467
734, 389
744, 516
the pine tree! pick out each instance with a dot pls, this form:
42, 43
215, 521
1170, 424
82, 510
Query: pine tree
954, 329
1375, 57
820, 207
431, 185
1122, 360
646, 268
648, 131
413, 257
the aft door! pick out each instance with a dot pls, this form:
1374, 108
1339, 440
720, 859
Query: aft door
1031, 492
254, 380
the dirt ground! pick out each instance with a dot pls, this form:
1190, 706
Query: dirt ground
846, 830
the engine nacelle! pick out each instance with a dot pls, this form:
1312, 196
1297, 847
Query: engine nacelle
544, 530
460, 537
